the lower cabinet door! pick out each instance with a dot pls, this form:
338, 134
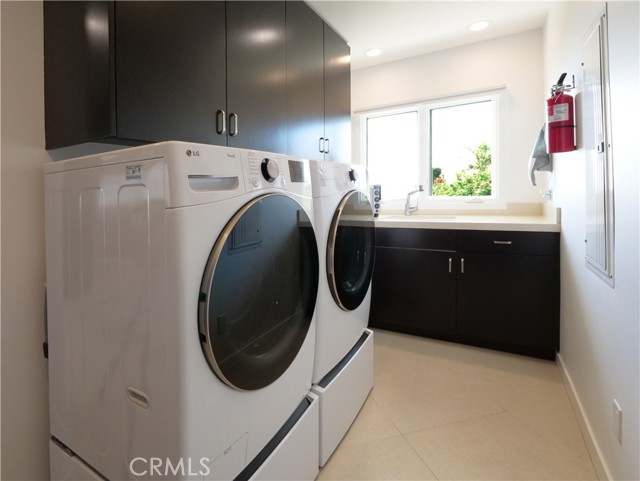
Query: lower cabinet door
509, 300
414, 291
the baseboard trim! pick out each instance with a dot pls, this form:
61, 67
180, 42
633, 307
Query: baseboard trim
599, 464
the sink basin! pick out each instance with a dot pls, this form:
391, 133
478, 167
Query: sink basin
417, 218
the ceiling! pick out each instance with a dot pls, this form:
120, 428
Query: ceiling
408, 28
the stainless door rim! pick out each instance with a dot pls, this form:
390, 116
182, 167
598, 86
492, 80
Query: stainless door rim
207, 280
331, 242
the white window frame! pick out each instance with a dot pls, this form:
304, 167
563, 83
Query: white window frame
424, 108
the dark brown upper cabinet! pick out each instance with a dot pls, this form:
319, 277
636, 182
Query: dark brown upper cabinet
305, 81
259, 75
79, 72
337, 97
318, 88
170, 71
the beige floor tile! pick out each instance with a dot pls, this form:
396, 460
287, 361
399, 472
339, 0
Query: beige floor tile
396, 340
530, 389
418, 407
480, 362
383, 459
551, 416
496, 447
470, 413
417, 390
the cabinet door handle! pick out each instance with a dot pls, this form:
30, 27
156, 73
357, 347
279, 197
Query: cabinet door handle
321, 145
503, 243
327, 146
461, 265
221, 122
450, 264
233, 125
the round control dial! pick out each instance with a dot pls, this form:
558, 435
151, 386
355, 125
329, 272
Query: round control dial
270, 170
353, 175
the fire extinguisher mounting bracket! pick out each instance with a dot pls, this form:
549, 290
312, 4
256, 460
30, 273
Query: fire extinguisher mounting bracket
561, 86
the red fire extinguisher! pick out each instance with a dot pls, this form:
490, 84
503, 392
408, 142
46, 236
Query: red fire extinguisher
560, 119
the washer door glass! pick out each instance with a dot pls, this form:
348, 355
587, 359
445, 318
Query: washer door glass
258, 292
351, 250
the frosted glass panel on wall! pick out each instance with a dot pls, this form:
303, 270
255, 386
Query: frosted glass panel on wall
599, 181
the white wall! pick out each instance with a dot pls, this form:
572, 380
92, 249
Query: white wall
514, 61
600, 337
25, 422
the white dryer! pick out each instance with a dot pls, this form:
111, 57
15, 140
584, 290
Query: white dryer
343, 368
182, 283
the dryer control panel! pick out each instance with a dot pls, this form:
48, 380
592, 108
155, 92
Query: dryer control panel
269, 169
266, 170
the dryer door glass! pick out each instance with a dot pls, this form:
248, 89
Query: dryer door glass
351, 250
258, 292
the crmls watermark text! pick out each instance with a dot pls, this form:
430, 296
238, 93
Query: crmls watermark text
167, 467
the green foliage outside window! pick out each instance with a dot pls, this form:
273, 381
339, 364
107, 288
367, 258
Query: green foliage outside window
475, 180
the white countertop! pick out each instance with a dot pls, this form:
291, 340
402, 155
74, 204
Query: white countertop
547, 220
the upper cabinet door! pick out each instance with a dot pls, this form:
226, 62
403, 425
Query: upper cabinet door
256, 75
305, 82
210, 72
170, 64
78, 65
337, 97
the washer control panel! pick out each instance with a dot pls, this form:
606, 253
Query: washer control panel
264, 171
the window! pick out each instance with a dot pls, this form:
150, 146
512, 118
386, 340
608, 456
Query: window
393, 150
449, 147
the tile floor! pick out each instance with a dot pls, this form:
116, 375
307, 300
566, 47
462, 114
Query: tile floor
445, 411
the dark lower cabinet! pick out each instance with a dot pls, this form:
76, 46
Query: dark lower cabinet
493, 289
419, 300
509, 301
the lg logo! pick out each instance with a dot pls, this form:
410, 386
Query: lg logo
193, 153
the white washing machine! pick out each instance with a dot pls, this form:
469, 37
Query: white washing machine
182, 283
343, 368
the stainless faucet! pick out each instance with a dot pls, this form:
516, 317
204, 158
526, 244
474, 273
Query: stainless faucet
408, 208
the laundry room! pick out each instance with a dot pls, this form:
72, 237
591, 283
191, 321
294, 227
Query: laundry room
320, 240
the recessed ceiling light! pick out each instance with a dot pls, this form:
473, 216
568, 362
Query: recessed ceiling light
477, 26
373, 52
